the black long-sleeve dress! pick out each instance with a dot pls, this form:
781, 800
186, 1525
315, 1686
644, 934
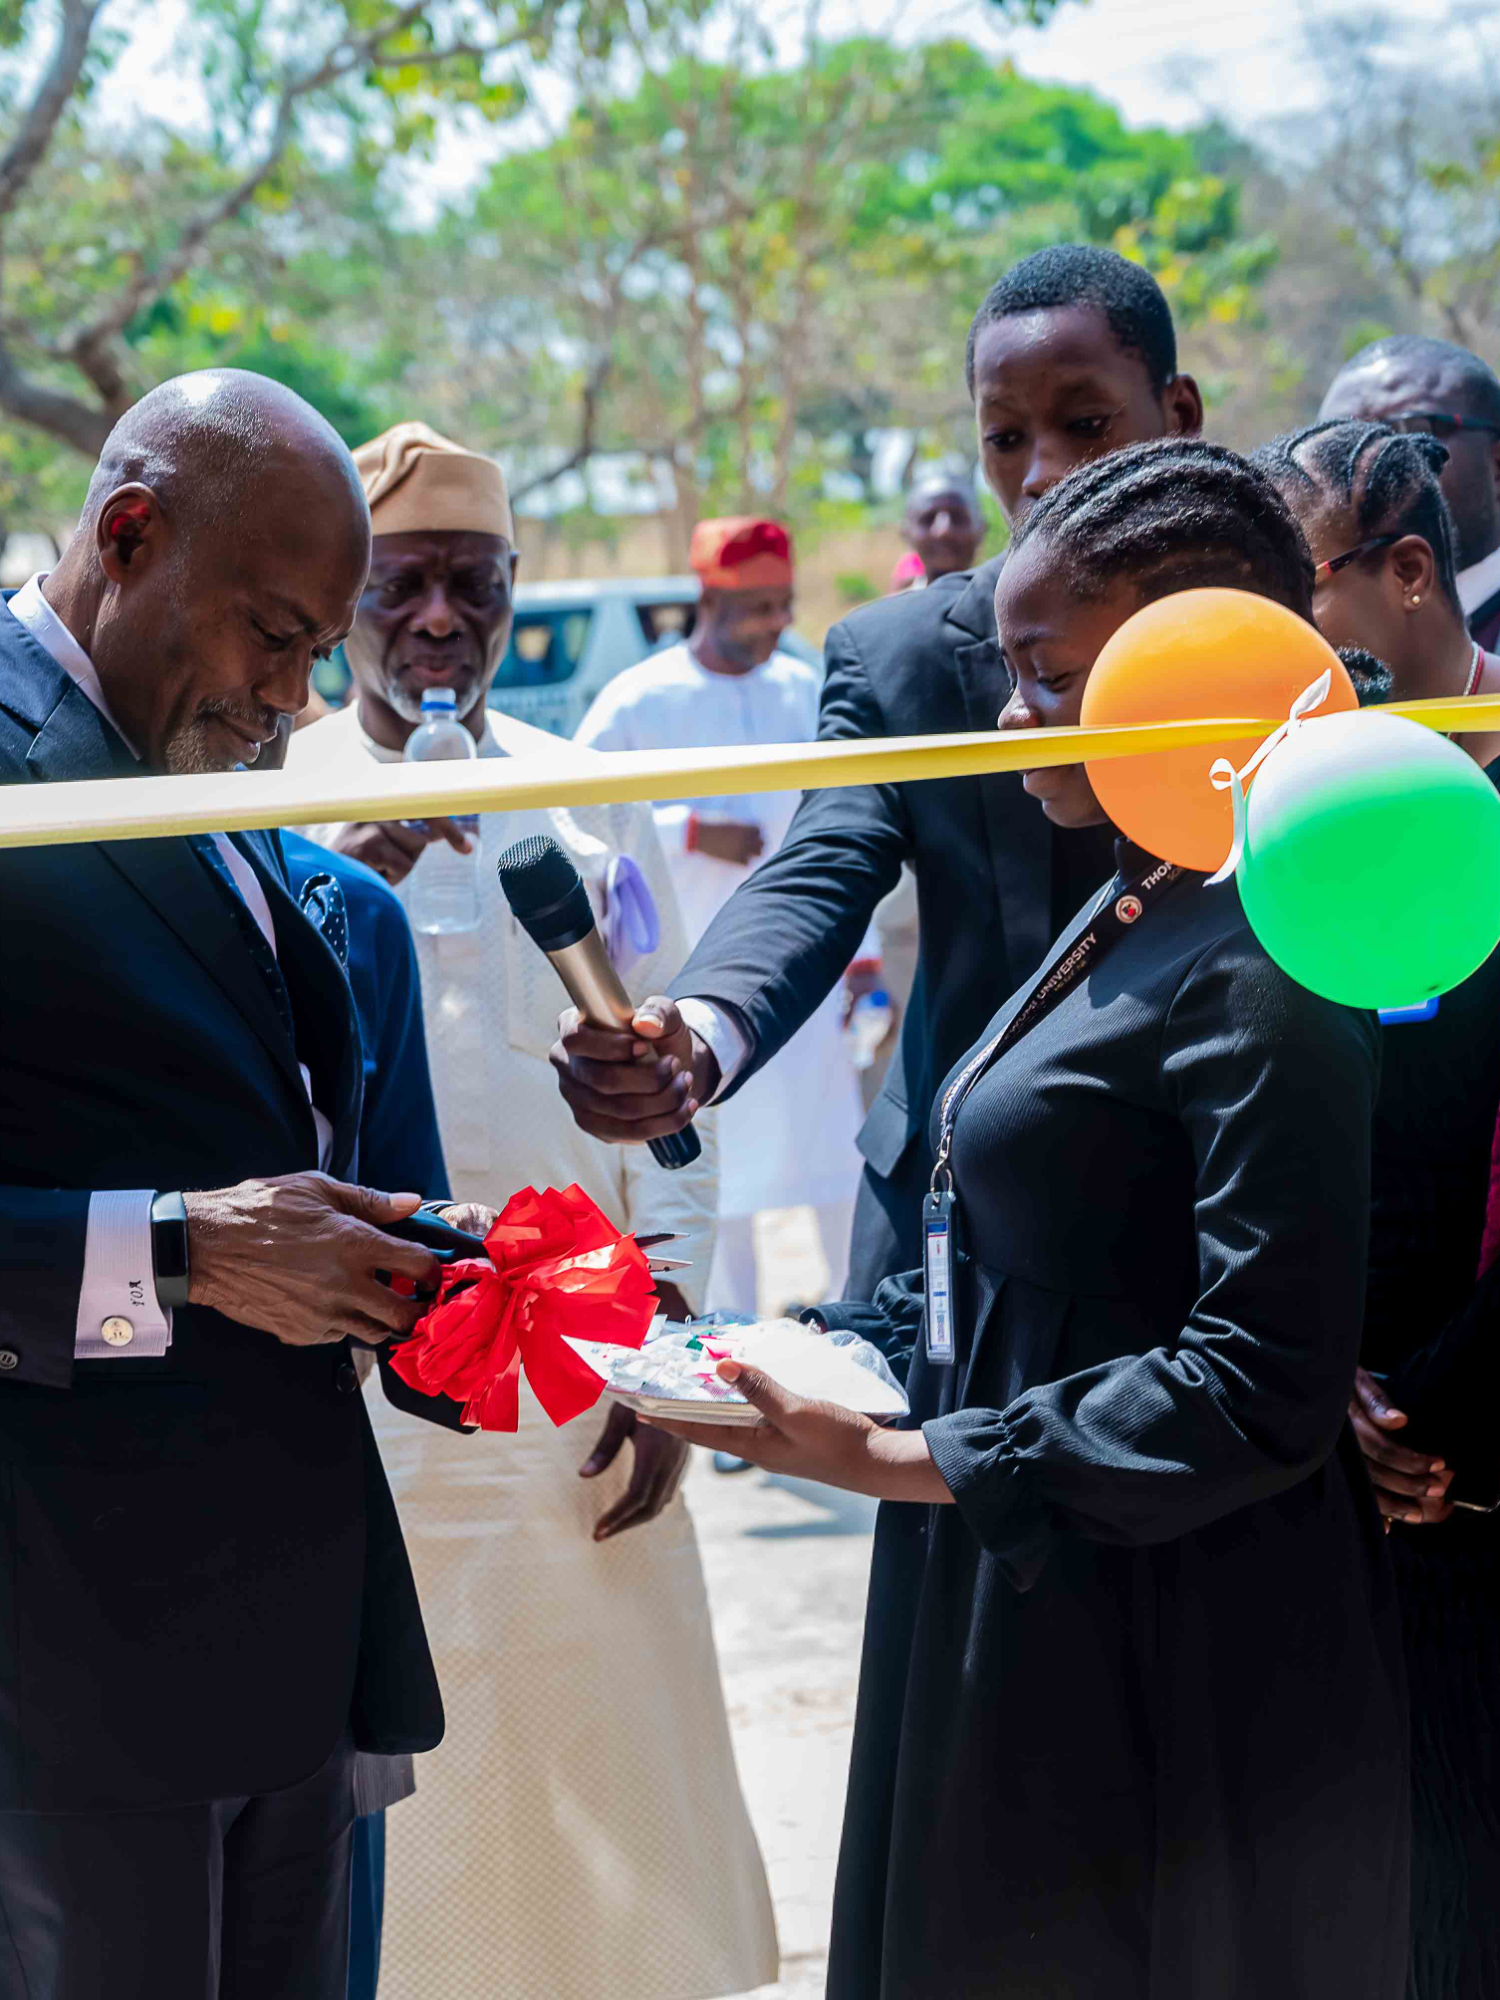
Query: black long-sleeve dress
1132, 1720
1434, 1122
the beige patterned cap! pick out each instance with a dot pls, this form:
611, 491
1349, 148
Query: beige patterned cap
417, 480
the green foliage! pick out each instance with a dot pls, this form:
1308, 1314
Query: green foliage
1363, 333
192, 328
743, 272
41, 488
310, 104
732, 272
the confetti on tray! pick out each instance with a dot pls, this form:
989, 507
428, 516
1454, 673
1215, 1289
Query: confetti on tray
676, 1373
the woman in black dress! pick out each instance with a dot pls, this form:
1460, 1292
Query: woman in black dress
1131, 1721
1363, 486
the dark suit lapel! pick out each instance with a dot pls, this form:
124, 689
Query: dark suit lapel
178, 887
1017, 830
74, 741
322, 1000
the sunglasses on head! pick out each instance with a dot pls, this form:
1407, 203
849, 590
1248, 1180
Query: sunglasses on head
1440, 423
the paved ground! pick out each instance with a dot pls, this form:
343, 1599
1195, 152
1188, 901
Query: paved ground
787, 1565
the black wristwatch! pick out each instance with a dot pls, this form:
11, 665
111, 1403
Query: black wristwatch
169, 1249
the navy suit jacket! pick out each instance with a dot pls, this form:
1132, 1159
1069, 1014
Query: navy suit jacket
205, 1580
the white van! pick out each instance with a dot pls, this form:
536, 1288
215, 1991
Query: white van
568, 639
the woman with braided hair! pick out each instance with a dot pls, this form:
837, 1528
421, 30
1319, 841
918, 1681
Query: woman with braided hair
1132, 1717
1368, 499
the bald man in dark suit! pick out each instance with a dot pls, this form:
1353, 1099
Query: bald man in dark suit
1432, 385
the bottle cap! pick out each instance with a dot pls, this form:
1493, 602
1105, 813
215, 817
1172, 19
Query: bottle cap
438, 697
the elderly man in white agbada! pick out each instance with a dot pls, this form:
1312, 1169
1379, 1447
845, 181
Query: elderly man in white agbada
580, 1833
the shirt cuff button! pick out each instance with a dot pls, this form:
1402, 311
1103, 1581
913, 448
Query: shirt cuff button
117, 1331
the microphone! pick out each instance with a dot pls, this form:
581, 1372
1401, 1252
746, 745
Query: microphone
548, 900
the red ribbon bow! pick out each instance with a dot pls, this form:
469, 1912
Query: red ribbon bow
557, 1266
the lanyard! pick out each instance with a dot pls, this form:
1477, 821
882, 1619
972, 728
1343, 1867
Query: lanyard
1120, 906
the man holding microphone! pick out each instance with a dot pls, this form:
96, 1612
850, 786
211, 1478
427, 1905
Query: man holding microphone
208, 1606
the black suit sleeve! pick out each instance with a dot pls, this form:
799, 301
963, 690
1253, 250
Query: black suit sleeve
43, 1234
1274, 1090
785, 937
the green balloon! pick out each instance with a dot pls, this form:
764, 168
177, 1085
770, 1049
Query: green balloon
1371, 865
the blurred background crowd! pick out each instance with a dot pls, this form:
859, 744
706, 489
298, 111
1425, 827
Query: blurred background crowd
669, 259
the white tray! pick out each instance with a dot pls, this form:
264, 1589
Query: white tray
796, 1356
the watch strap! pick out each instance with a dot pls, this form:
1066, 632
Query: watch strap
169, 1250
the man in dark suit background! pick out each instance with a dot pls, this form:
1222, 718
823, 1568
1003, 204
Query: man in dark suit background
208, 1605
1432, 385
1071, 355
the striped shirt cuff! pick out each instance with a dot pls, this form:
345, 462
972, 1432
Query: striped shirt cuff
118, 1314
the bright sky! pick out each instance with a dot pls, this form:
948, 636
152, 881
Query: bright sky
1173, 61
1167, 61
1160, 61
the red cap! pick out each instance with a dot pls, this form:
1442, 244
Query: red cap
742, 553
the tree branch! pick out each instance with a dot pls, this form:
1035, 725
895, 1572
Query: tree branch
48, 101
87, 345
593, 390
430, 58
60, 415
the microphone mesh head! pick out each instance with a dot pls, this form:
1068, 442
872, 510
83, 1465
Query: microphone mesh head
535, 875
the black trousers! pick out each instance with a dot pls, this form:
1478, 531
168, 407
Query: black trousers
234, 1899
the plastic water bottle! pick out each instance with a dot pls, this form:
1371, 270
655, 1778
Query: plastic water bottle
444, 884
869, 1024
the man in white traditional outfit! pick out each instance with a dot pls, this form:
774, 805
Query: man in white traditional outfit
581, 1832
787, 1137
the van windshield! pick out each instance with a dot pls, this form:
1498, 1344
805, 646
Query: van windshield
545, 648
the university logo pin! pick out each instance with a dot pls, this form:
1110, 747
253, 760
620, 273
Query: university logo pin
1128, 909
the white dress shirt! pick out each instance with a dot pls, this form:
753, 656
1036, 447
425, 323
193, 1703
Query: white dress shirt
1479, 582
118, 1312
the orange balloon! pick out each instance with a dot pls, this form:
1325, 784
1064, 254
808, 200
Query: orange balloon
1198, 653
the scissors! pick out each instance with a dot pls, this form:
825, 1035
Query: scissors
449, 1245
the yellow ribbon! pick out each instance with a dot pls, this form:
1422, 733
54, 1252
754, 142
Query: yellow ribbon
36, 815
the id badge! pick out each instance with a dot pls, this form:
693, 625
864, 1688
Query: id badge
940, 1261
